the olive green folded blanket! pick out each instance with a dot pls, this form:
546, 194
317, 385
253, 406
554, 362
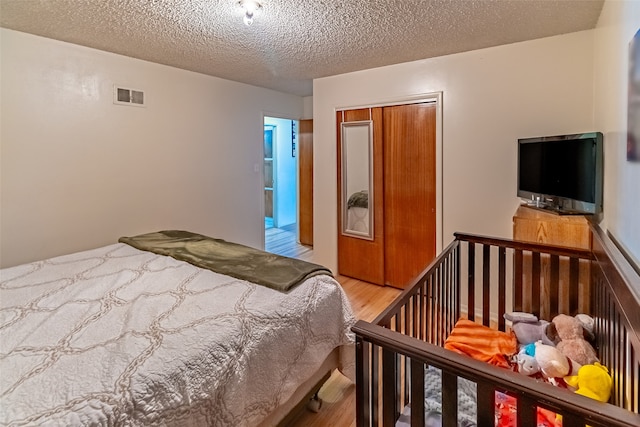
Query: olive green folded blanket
235, 260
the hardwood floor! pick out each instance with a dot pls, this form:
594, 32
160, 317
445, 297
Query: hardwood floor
367, 300
283, 241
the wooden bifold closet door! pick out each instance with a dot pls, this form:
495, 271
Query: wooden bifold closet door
405, 196
360, 258
409, 191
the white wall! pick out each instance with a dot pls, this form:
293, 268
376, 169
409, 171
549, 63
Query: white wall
78, 171
308, 107
491, 97
618, 22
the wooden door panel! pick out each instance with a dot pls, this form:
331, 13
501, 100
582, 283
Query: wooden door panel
360, 258
409, 191
305, 182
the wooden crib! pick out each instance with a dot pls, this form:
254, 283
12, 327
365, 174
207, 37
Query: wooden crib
481, 278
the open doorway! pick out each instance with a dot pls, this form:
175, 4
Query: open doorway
281, 188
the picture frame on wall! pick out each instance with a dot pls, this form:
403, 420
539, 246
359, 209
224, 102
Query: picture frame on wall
293, 138
633, 105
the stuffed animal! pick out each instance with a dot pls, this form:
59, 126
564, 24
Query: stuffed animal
592, 381
587, 323
528, 328
527, 363
569, 334
553, 364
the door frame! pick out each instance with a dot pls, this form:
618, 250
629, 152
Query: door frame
434, 97
274, 166
266, 114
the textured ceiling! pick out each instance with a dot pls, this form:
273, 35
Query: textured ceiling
291, 42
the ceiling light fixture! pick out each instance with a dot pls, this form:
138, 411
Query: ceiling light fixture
250, 7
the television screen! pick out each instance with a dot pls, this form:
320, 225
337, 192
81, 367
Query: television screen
565, 172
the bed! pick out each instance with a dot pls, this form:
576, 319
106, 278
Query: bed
479, 279
121, 335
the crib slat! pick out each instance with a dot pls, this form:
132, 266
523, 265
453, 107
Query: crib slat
389, 408
486, 284
517, 280
438, 308
375, 384
449, 399
407, 314
431, 313
554, 292
621, 349
449, 296
399, 371
535, 283
527, 412
362, 377
618, 375
422, 311
574, 275
485, 403
401, 392
424, 301
502, 278
443, 298
634, 392
471, 294
458, 279
417, 393
455, 285
396, 322
610, 343
438, 311
416, 315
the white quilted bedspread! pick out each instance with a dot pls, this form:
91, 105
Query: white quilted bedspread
117, 336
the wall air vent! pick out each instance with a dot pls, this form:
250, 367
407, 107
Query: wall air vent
126, 96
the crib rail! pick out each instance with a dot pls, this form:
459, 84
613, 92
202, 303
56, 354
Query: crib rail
480, 279
616, 310
397, 348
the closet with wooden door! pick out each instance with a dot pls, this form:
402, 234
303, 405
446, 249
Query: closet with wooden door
386, 192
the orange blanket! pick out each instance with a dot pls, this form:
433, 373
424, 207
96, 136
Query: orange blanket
482, 343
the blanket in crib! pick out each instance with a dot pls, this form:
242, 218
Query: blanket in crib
482, 343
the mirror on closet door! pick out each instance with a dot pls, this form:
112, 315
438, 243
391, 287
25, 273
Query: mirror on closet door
357, 179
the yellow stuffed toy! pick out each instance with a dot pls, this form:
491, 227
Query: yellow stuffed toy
592, 381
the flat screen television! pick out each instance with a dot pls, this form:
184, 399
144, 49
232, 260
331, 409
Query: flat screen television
562, 173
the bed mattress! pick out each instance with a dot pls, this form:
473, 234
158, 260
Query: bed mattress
119, 336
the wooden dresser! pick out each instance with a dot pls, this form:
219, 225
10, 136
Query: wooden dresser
539, 226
